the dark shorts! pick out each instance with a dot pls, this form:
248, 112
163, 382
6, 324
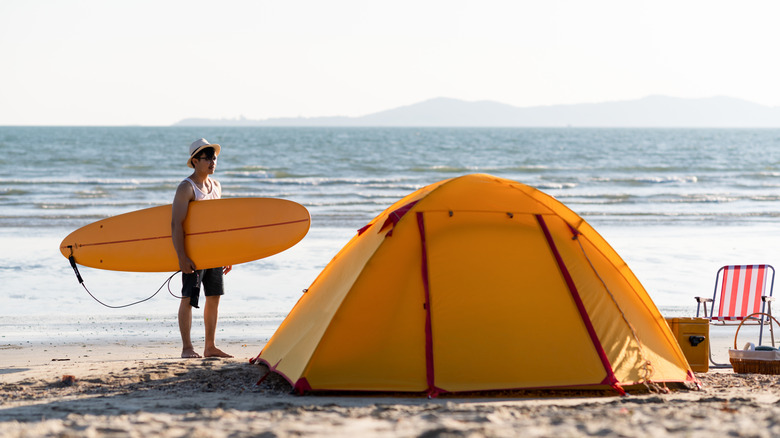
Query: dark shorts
211, 280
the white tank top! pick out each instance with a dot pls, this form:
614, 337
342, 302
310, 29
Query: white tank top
215, 192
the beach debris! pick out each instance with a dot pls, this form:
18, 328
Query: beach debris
68, 380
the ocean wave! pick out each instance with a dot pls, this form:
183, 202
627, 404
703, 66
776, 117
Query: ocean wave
671, 168
596, 199
92, 194
334, 181
13, 192
751, 185
668, 179
330, 202
113, 205
676, 214
260, 174
68, 221
648, 179
530, 168
763, 174
80, 181
555, 186
664, 198
704, 198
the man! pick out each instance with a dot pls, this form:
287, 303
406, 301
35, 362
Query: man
199, 186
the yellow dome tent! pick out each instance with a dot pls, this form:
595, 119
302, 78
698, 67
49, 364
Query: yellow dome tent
475, 283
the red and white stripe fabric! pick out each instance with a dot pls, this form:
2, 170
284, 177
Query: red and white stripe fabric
741, 288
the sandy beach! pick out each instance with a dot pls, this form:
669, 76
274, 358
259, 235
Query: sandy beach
142, 389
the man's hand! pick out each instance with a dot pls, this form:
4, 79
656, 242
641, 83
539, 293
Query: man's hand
186, 265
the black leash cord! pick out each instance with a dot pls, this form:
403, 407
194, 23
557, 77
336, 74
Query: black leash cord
81, 281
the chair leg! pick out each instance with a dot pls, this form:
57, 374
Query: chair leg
709, 346
769, 321
715, 364
771, 326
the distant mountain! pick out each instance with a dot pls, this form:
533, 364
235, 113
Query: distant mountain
651, 111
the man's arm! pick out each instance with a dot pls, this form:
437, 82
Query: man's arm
181, 204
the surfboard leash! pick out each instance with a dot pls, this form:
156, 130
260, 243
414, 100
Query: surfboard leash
81, 282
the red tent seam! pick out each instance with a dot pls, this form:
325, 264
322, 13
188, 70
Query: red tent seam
433, 391
610, 380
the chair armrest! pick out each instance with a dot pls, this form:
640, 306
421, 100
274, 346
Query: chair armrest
769, 299
703, 300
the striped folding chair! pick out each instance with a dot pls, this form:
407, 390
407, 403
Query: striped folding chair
741, 292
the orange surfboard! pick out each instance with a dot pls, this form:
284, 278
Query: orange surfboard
218, 233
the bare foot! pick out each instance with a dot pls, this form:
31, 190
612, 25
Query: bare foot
189, 353
215, 352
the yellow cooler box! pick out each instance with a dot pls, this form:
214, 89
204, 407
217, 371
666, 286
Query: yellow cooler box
693, 335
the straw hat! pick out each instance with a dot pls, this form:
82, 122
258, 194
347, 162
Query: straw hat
200, 144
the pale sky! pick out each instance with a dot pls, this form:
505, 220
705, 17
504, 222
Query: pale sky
143, 62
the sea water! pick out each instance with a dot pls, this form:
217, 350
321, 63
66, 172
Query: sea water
676, 204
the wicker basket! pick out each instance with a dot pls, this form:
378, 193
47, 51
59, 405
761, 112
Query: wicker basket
755, 361
755, 366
